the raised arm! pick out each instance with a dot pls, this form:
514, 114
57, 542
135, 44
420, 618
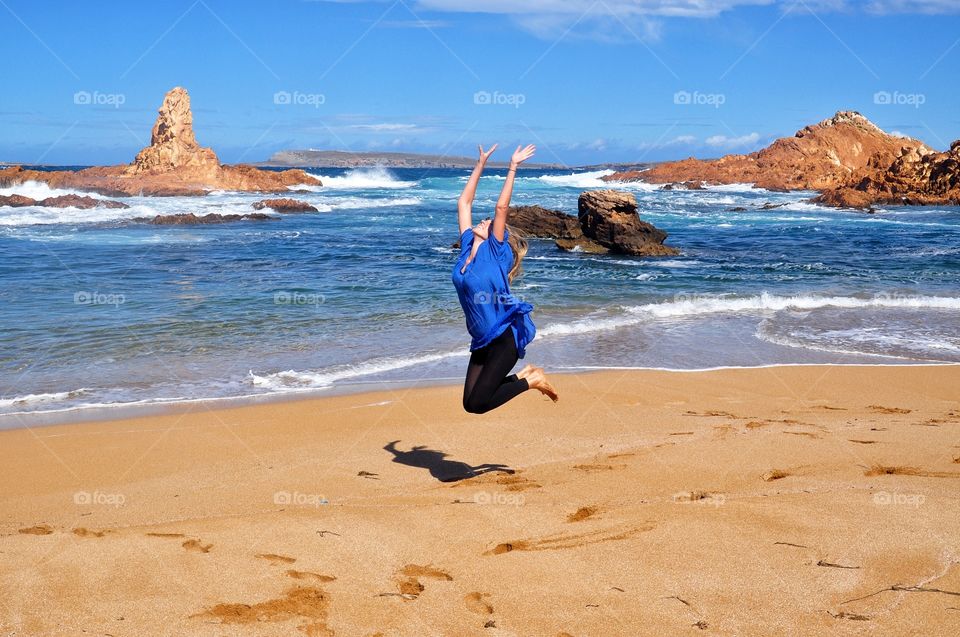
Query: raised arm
503, 203
465, 203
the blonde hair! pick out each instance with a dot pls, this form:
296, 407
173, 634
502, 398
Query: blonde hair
519, 246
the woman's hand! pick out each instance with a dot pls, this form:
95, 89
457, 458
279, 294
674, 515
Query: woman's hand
485, 155
521, 155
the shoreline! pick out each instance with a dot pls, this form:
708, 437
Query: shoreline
396, 513
122, 411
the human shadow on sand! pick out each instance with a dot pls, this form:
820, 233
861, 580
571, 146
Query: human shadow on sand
437, 464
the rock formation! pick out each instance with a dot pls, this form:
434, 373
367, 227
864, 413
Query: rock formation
817, 157
174, 164
284, 205
191, 219
63, 201
173, 145
537, 221
610, 223
913, 176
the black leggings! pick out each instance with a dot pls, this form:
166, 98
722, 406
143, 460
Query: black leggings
487, 385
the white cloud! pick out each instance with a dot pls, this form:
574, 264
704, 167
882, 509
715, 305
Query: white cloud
722, 141
386, 127
913, 6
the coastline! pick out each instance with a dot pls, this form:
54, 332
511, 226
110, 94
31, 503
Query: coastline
174, 406
821, 484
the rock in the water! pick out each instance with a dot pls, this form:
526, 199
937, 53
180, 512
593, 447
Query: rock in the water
610, 222
912, 176
17, 201
537, 221
190, 219
817, 157
174, 164
284, 205
63, 201
173, 145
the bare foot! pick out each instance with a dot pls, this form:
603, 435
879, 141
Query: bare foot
538, 380
526, 371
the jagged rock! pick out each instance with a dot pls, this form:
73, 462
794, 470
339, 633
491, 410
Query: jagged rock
771, 206
173, 145
17, 201
817, 157
610, 223
537, 221
284, 205
63, 201
914, 176
190, 219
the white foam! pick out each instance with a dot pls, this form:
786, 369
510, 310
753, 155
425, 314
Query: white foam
367, 178
577, 180
697, 305
291, 380
353, 203
41, 190
34, 399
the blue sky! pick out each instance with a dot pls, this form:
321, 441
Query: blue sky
586, 80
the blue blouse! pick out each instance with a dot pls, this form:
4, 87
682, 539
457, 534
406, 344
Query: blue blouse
485, 297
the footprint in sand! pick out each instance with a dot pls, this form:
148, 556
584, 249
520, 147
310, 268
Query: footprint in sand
276, 559
885, 470
712, 413
774, 474
408, 579
196, 545
39, 529
82, 532
582, 513
513, 481
476, 603
560, 541
880, 409
306, 575
308, 604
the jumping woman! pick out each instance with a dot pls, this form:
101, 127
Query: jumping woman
490, 256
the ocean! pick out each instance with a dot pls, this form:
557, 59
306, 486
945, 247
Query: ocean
101, 312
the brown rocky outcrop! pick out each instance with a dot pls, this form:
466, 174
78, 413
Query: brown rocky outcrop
191, 219
63, 201
284, 205
537, 221
610, 223
817, 157
174, 164
914, 176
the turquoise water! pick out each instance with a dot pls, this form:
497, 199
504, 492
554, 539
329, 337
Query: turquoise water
99, 309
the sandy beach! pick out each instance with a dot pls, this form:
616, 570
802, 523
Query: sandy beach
770, 501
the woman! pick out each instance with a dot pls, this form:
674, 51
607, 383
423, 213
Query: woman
490, 256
